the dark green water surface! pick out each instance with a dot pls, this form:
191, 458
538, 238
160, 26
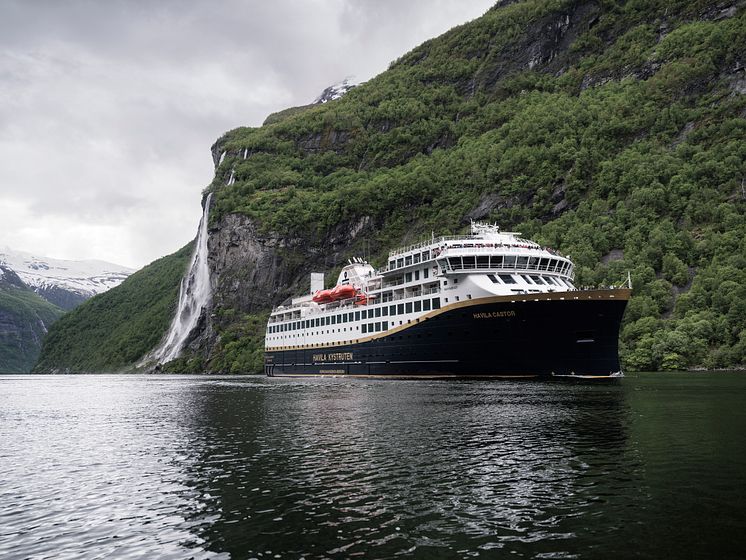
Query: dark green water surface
653, 466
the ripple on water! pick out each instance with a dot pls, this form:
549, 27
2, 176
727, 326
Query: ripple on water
175, 467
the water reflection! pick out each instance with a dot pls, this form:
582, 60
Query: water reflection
200, 467
337, 468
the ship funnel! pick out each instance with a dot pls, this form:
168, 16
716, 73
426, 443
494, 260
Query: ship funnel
317, 281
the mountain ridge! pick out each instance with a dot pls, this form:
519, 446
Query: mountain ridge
65, 283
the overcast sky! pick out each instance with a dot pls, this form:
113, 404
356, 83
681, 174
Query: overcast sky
108, 109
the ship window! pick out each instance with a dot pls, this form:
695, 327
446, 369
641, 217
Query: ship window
436, 303
522, 262
549, 280
365, 328
537, 279
378, 311
417, 306
425, 255
416, 258
334, 319
425, 273
416, 274
483, 261
496, 261
455, 263
543, 264
392, 310
409, 307
392, 264
365, 314
327, 321
470, 262
399, 263
526, 278
408, 260
532, 262
457, 298
385, 311
385, 325
400, 309
357, 315
378, 327
408, 277
426, 305
509, 262
507, 278
492, 277
455, 280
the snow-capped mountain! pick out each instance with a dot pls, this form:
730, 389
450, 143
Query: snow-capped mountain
62, 282
335, 91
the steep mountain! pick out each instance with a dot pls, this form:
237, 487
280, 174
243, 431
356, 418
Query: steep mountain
612, 131
64, 283
25, 318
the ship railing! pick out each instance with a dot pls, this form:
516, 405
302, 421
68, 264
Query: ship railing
470, 238
523, 269
495, 250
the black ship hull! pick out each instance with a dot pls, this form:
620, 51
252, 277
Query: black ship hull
543, 335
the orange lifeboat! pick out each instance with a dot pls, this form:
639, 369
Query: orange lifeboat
361, 299
344, 291
323, 296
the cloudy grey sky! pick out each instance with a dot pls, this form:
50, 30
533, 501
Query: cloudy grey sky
108, 108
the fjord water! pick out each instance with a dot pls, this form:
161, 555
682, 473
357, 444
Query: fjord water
247, 467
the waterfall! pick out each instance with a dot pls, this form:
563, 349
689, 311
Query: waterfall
194, 296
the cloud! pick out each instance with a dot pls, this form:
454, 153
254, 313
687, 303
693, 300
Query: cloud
108, 109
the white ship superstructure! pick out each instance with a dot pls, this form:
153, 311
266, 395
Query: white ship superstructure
416, 281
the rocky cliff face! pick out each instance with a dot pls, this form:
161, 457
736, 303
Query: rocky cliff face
253, 270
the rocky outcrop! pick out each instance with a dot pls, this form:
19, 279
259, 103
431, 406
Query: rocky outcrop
544, 45
252, 270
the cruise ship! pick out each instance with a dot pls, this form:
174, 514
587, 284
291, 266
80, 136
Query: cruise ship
489, 304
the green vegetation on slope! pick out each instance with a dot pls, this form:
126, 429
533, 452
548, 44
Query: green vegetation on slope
618, 141
24, 320
116, 328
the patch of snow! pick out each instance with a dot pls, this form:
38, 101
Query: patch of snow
335, 91
88, 278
